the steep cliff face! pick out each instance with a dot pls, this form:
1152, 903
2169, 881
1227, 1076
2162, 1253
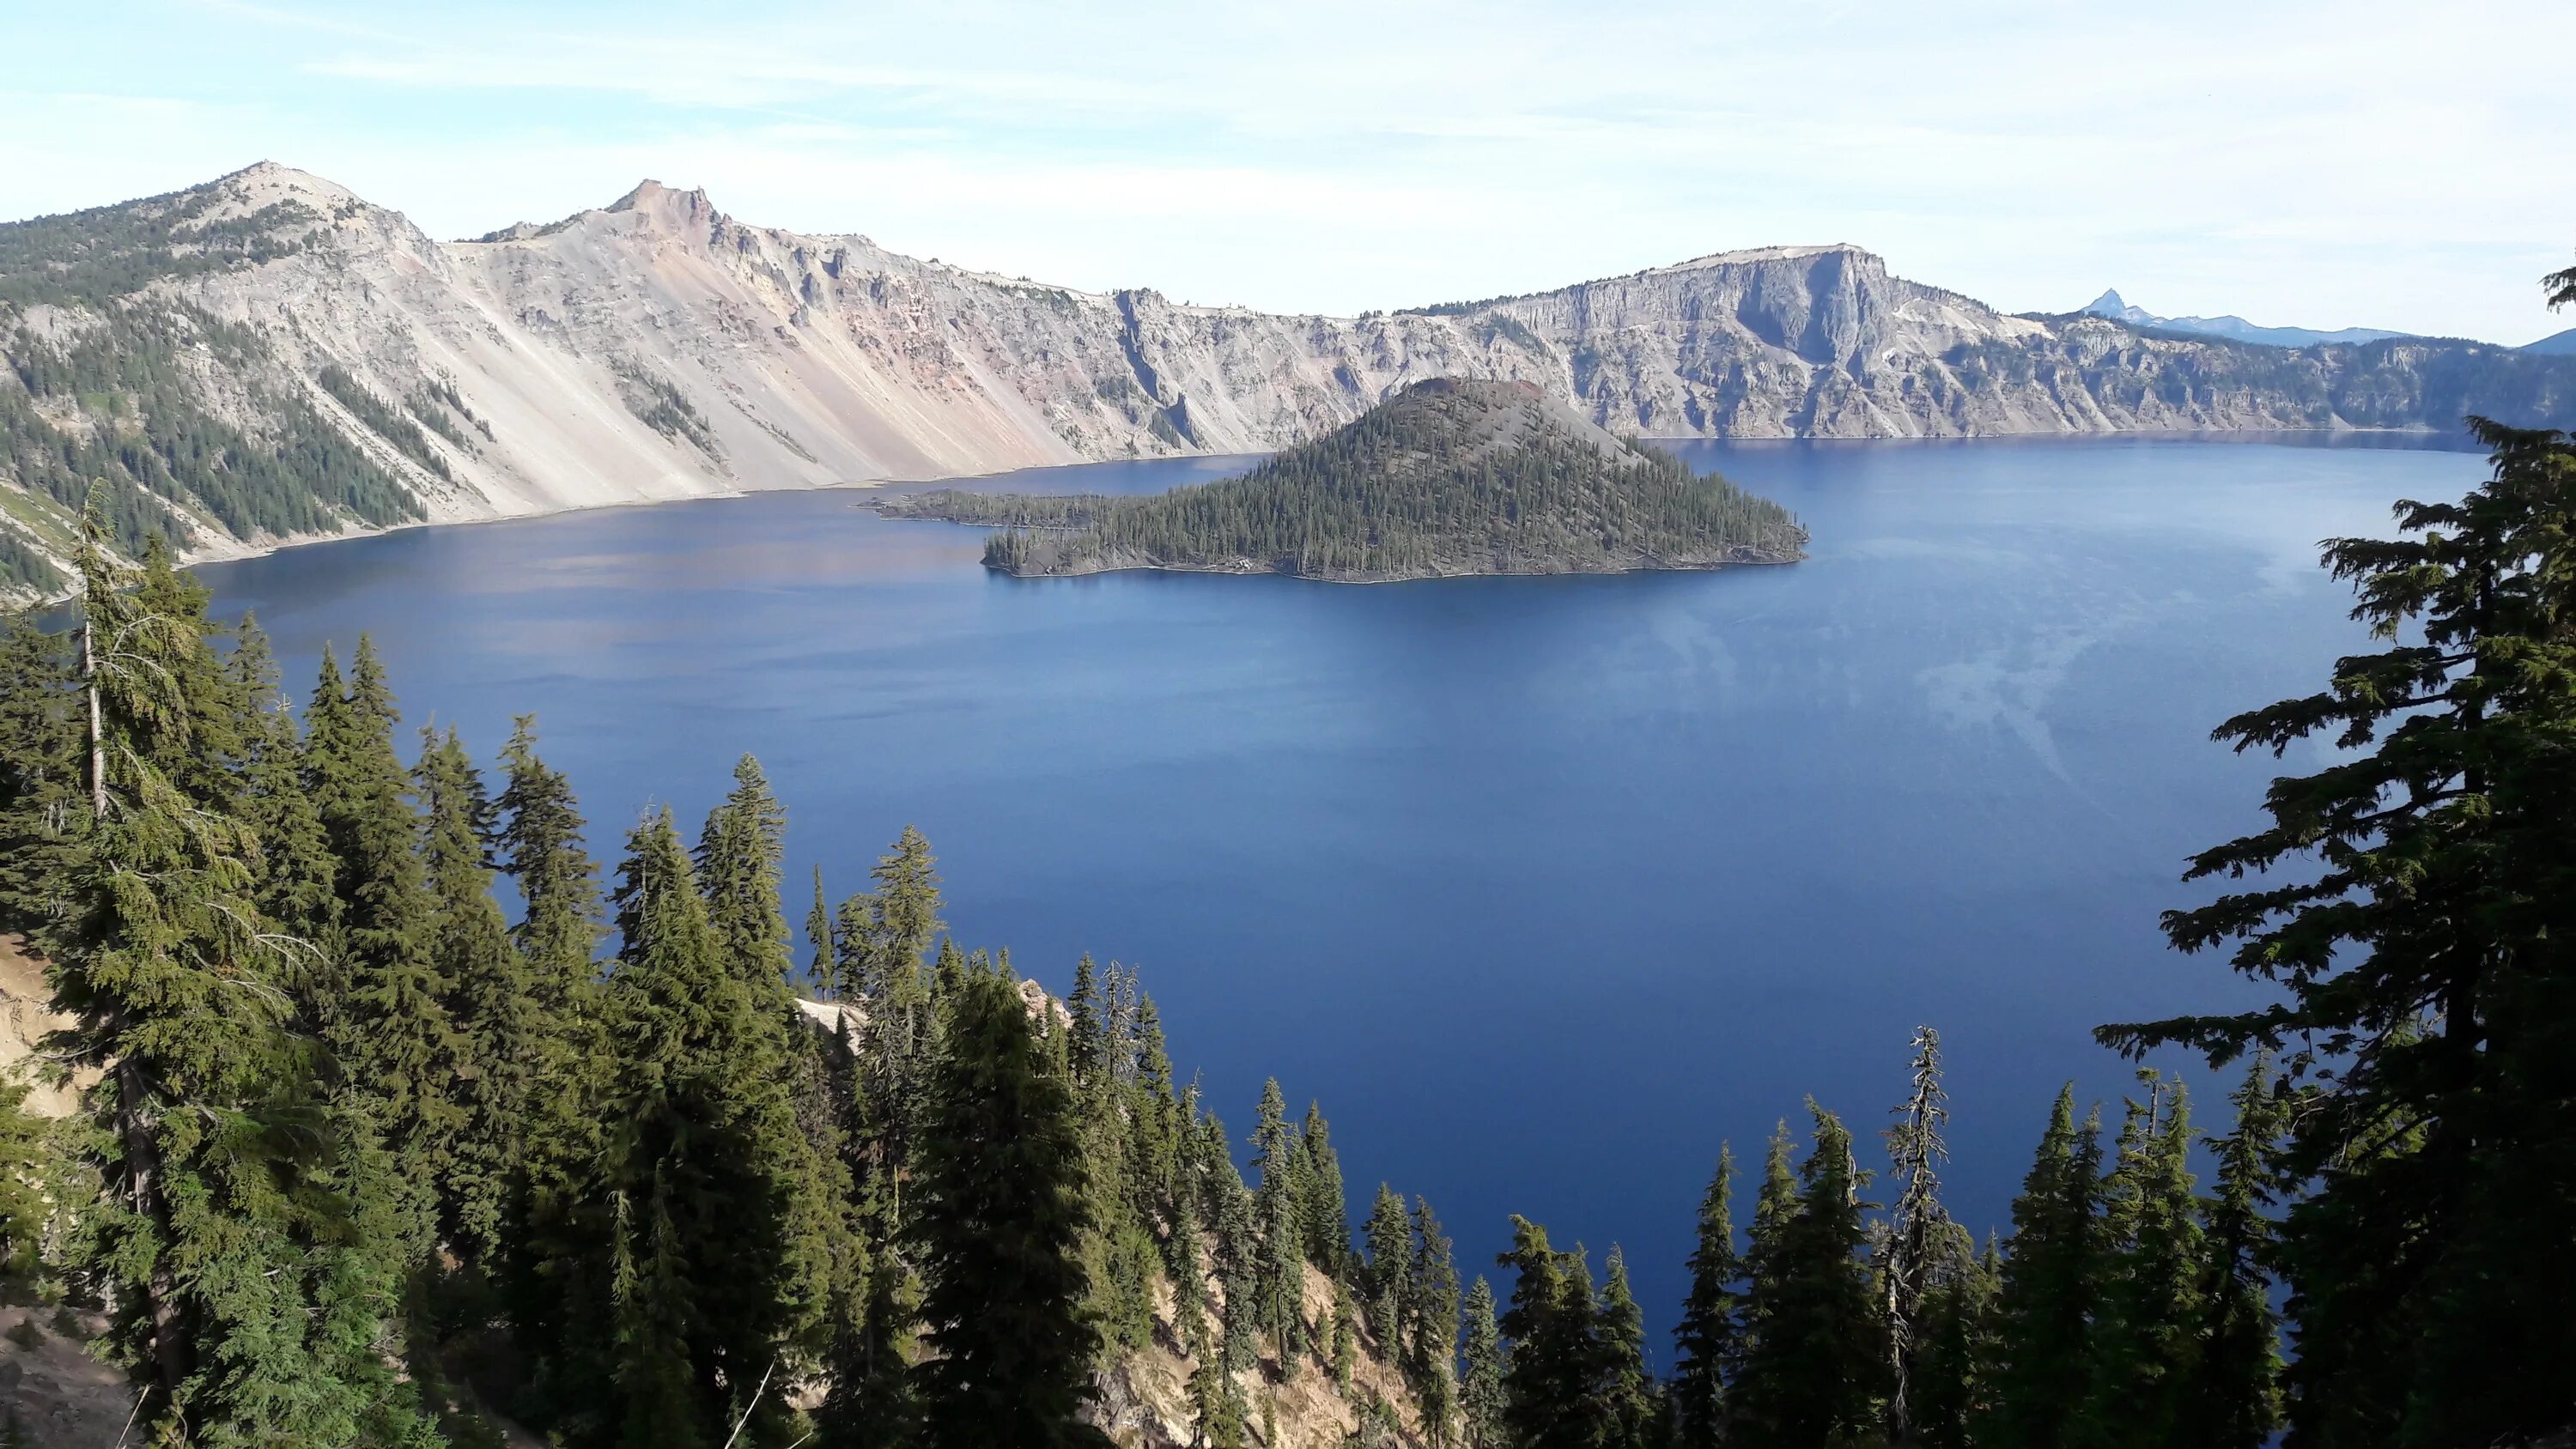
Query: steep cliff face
269, 357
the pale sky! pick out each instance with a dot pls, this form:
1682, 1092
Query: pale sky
2407, 166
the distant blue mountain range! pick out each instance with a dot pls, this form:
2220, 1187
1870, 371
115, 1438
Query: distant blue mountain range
2237, 329
2110, 304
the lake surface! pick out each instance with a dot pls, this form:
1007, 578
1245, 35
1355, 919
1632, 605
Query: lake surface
1546, 887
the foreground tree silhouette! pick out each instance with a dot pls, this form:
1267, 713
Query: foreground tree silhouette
998, 1217
2424, 1003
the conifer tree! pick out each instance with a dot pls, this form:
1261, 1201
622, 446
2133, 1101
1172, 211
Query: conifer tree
1387, 1275
296, 872
1814, 1362
738, 860
706, 1164
540, 845
394, 1034
1430, 1317
2234, 1401
2044, 1311
1216, 1402
2147, 1322
1917, 1226
2418, 996
1238, 1245
1326, 1212
494, 1012
1481, 1400
1553, 1388
558, 1250
873, 1402
1089, 1042
821, 976
1709, 1338
1001, 1209
1946, 1401
240, 1236
43, 758
1279, 1212
1623, 1344
886, 938
1155, 1121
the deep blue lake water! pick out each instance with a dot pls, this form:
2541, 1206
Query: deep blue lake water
1546, 887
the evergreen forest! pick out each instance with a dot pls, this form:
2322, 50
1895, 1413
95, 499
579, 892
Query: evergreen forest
407, 1122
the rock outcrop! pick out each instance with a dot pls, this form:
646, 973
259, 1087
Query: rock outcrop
659, 348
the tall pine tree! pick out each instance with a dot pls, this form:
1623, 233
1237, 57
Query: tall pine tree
1001, 1214
394, 1034
1708, 1340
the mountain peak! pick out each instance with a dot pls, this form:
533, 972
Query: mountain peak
1748, 256
652, 196
2108, 304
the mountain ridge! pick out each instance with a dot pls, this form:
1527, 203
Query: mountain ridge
274, 326
2111, 304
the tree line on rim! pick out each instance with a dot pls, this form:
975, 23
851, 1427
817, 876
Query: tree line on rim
361, 1156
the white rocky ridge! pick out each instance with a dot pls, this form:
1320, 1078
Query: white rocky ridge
658, 348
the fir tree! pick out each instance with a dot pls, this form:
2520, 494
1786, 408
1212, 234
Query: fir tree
1279, 1200
706, 1162
562, 1236
1623, 1345
822, 976
1326, 1212
1918, 1228
540, 845
738, 860
2146, 1348
2234, 1400
1216, 1403
1385, 1277
1431, 1324
1481, 1400
1001, 1209
1814, 1361
43, 757
2044, 1311
2418, 995
1553, 1388
394, 1034
494, 1011
872, 1402
296, 872
1946, 1401
240, 1235
1708, 1340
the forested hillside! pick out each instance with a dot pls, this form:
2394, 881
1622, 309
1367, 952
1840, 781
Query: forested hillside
111, 384
1446, 478
367, 1157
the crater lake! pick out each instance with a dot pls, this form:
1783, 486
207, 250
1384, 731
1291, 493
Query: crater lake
1546, 887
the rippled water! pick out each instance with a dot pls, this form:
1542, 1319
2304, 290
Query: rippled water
1544, 886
